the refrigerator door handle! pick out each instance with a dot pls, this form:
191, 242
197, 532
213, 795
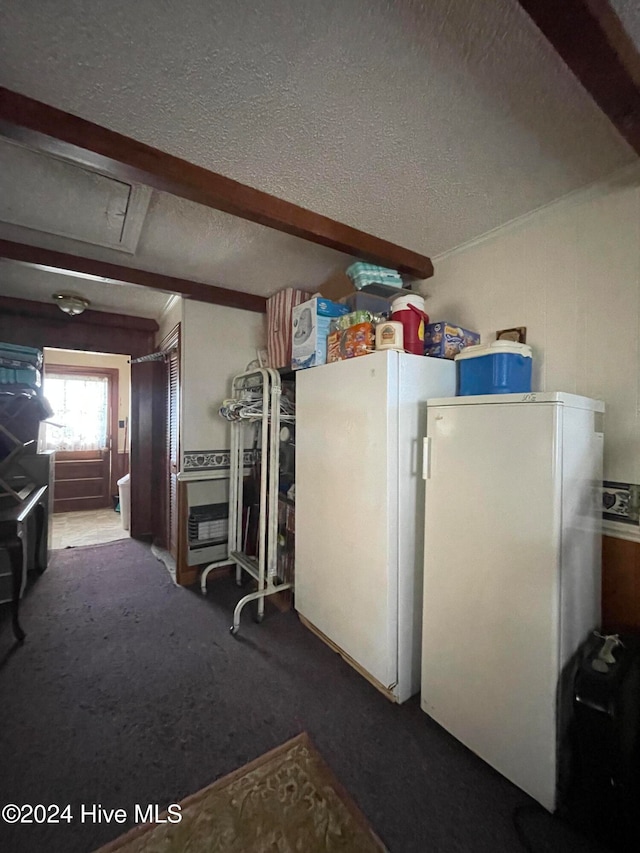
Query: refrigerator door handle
426, 458
415, 456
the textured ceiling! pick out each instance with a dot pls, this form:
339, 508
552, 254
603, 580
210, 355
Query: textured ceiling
39, 285
427, 124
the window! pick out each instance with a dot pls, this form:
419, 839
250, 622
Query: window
81, 409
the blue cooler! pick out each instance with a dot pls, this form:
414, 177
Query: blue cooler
501, 367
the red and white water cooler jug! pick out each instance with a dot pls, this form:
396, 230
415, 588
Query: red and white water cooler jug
409, 310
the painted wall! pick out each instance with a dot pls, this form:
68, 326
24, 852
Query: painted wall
570, 273
170, 317
217, 343
87, 359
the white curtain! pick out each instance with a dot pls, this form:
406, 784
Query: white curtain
81, 409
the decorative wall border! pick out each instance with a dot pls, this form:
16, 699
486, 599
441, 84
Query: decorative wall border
621, 502
211, 460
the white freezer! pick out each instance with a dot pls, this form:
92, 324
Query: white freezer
512, 572
359, 507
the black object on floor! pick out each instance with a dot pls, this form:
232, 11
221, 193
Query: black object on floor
604, 797
130, 690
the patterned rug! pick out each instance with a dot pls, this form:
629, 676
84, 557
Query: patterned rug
288, 801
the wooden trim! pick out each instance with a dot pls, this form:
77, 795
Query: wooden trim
189, 576
222, 573
64, 135
74, 335
41, 325
78, 504
592, 41
61, 262
171, 341
620, 585
363, 672
185, 574
45, 311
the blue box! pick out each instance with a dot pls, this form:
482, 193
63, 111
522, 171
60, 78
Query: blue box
501, 367
310, 323
444, 340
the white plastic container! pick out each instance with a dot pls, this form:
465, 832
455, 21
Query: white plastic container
390, 335
124, 492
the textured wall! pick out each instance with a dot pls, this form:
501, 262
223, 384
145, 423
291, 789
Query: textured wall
217, 343
571, 275
425, 123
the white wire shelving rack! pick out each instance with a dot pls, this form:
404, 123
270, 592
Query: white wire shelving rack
266, 418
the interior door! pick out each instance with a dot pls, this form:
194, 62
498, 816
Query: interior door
148, 448
82, 434
171, 347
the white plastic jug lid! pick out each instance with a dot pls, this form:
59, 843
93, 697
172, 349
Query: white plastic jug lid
493, 348
402, 302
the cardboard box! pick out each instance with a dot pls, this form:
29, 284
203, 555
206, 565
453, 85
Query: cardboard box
352, 342
337, 286
310, 327
444, 340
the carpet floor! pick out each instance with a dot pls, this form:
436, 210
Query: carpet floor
130, 690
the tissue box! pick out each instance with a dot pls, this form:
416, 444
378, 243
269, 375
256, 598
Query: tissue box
444, 340
310, 327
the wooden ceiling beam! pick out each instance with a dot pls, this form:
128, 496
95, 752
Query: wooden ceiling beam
60, 262
48, 129
592, 41
52, 313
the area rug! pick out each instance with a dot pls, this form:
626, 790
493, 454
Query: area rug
286, 801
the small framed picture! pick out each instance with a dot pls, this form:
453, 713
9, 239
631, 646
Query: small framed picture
517, 334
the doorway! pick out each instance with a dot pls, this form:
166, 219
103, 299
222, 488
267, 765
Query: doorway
89, 394
155, 448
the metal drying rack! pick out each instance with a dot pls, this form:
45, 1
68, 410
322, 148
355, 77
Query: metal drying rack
262, 567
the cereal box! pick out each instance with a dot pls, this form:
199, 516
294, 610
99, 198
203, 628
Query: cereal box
444, 340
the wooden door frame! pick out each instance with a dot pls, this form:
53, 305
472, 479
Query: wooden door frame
173, 340
113, 375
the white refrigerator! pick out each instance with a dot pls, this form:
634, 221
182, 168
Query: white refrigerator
359, 508
512, 573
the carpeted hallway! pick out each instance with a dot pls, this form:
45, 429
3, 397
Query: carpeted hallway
131, 690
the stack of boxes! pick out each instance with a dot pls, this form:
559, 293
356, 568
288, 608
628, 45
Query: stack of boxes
340, 323
22, 405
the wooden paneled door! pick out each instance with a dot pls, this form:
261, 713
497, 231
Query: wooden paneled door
82, 480
148, 455
85, 463
155, 444
171, 347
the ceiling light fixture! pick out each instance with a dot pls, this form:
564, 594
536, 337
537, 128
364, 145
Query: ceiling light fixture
71, 303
